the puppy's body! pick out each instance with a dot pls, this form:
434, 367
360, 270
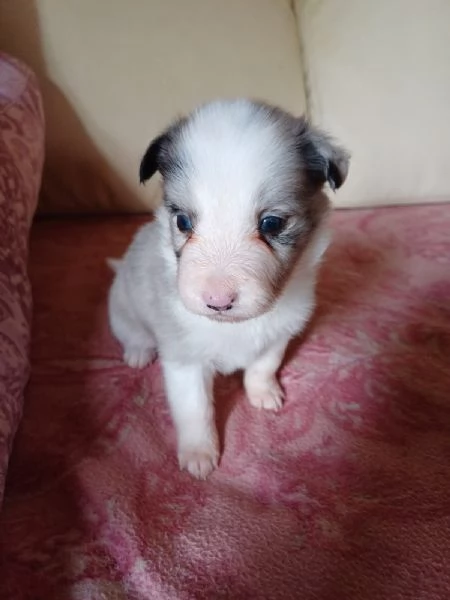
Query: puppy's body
147, 313
225, 275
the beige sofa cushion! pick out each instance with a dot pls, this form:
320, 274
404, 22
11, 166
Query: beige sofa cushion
378, 76
114, 73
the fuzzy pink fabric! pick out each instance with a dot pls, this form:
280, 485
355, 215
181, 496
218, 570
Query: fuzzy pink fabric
21, 157
343, 495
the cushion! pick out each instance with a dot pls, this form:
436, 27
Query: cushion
378, 78
114, 76
343, 494
21, 157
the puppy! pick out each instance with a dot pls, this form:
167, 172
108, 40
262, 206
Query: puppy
224, 276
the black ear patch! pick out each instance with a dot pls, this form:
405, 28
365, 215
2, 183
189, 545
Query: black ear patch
334, 177
161, 155
314, 164
151, 161
323, 161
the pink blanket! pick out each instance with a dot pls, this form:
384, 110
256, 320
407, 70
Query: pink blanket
343, 495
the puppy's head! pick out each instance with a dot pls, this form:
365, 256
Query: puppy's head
243, 194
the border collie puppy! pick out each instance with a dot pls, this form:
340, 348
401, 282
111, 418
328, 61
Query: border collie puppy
224, 276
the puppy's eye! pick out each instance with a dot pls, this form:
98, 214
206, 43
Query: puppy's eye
271, 225
184, 223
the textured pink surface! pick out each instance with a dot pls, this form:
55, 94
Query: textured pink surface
21, 156
343, 495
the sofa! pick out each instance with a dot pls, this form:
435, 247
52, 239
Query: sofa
344, 493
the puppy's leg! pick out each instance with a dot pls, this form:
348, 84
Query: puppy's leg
190, 396
139, 352
260, 381
139, 346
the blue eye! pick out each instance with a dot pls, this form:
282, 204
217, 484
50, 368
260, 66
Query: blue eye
271, 225
184, 223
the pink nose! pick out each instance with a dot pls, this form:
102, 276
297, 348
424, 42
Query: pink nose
219, 299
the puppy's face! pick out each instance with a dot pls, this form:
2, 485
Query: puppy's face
242, 193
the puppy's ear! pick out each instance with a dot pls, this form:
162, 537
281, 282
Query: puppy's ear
159, 156
150, 162
323, 160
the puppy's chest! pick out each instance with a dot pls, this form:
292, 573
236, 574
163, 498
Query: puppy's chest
228, 349
232, 347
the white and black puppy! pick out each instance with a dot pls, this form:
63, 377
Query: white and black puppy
224, 276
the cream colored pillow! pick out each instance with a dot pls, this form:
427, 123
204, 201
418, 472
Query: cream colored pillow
378, 77
115, 73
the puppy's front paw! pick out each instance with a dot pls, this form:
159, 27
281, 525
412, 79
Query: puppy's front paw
199, 461
266, 394
137, 357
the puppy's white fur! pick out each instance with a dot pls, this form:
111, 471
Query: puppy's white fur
222, 297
